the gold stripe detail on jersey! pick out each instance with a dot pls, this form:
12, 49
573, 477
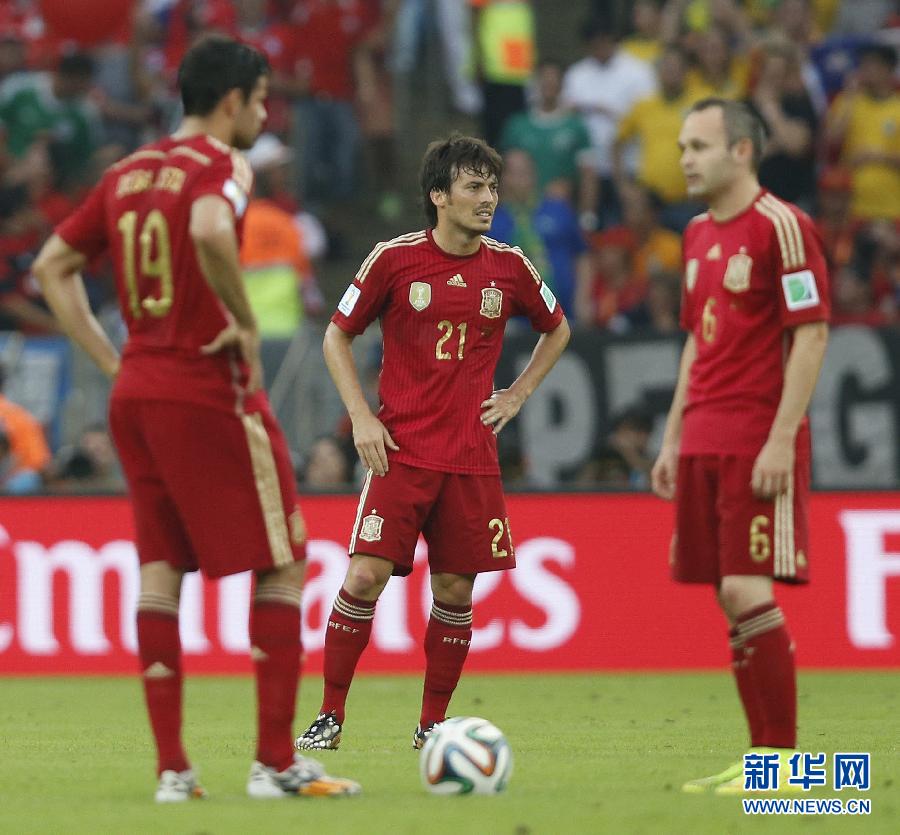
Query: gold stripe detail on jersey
359, 510
779, 231
787, 228
265, 475
191, 153
501, 247
792, 226
410, 239
241, 171
147, 154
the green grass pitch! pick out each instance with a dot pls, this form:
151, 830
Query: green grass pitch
602, 753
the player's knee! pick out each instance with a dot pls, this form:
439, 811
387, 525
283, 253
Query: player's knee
740, 594
367, 576
160, 580
284, 576
455, 589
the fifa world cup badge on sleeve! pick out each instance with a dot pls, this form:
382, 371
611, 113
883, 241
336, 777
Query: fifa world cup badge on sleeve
800, 290
491, 302
370, 530
737, 273
348, 302
548, 297
420, 295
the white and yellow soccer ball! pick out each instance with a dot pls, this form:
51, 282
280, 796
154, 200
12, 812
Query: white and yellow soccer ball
466, 755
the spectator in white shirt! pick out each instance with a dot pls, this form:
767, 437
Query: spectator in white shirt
602, 87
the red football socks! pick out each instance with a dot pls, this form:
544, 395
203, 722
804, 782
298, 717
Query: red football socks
447, 640
770, 654
347, 635
159, 648
275, 648
740, 666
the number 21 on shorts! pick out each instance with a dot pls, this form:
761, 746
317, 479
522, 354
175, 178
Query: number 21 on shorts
498, 527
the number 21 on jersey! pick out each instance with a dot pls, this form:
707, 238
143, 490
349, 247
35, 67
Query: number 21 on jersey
153, 243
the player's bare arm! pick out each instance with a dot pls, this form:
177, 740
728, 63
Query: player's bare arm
662, 477
370, 437
775, 462
216, 244
58, 271
502, 406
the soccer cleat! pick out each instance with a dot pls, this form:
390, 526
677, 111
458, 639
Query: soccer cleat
323, 735
304, 778
704, 784
735, 785
420, 734
178, 786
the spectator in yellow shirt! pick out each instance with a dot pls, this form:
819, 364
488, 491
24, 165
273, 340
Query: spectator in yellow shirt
864, 122
646, 42
654, 123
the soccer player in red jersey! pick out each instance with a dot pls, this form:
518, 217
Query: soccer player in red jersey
207, 466
443, 296
736, 449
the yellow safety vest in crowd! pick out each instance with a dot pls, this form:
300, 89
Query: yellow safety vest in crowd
506, 41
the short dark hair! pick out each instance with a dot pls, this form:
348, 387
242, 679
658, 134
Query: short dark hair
76, 65
740, 123
445, 158
597, 26
882, 52
213, 67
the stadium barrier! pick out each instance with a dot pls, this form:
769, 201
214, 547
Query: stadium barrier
591, 591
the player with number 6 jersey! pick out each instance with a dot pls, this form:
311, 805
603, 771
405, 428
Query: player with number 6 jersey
735, 453
443, 296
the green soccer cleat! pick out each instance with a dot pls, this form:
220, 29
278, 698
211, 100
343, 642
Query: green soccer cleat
735, 786
705, 784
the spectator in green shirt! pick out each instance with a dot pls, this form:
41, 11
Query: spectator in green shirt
53, 107
556, 139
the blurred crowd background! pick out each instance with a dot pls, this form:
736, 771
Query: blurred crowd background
584, 99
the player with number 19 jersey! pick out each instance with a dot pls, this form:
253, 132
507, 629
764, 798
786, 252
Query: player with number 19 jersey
208, 468
140, 212
443, 318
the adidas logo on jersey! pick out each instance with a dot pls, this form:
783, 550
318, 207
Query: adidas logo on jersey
457, 281
714, 253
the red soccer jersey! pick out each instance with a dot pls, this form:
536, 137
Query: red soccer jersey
140, 211
442, 319
747, 282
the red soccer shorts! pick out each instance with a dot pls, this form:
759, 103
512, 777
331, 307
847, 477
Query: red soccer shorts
209, 489
462, 517
722, 529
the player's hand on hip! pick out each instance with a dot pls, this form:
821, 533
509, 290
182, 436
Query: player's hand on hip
501, 407
246, 342
372, 441
664, 473
772, 469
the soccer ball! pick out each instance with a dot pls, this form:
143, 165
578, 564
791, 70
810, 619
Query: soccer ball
465, 755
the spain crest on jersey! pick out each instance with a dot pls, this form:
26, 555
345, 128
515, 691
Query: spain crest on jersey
370, 529
420, 295
491, 302
737, 273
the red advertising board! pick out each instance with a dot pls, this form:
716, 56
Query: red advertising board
591, 591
